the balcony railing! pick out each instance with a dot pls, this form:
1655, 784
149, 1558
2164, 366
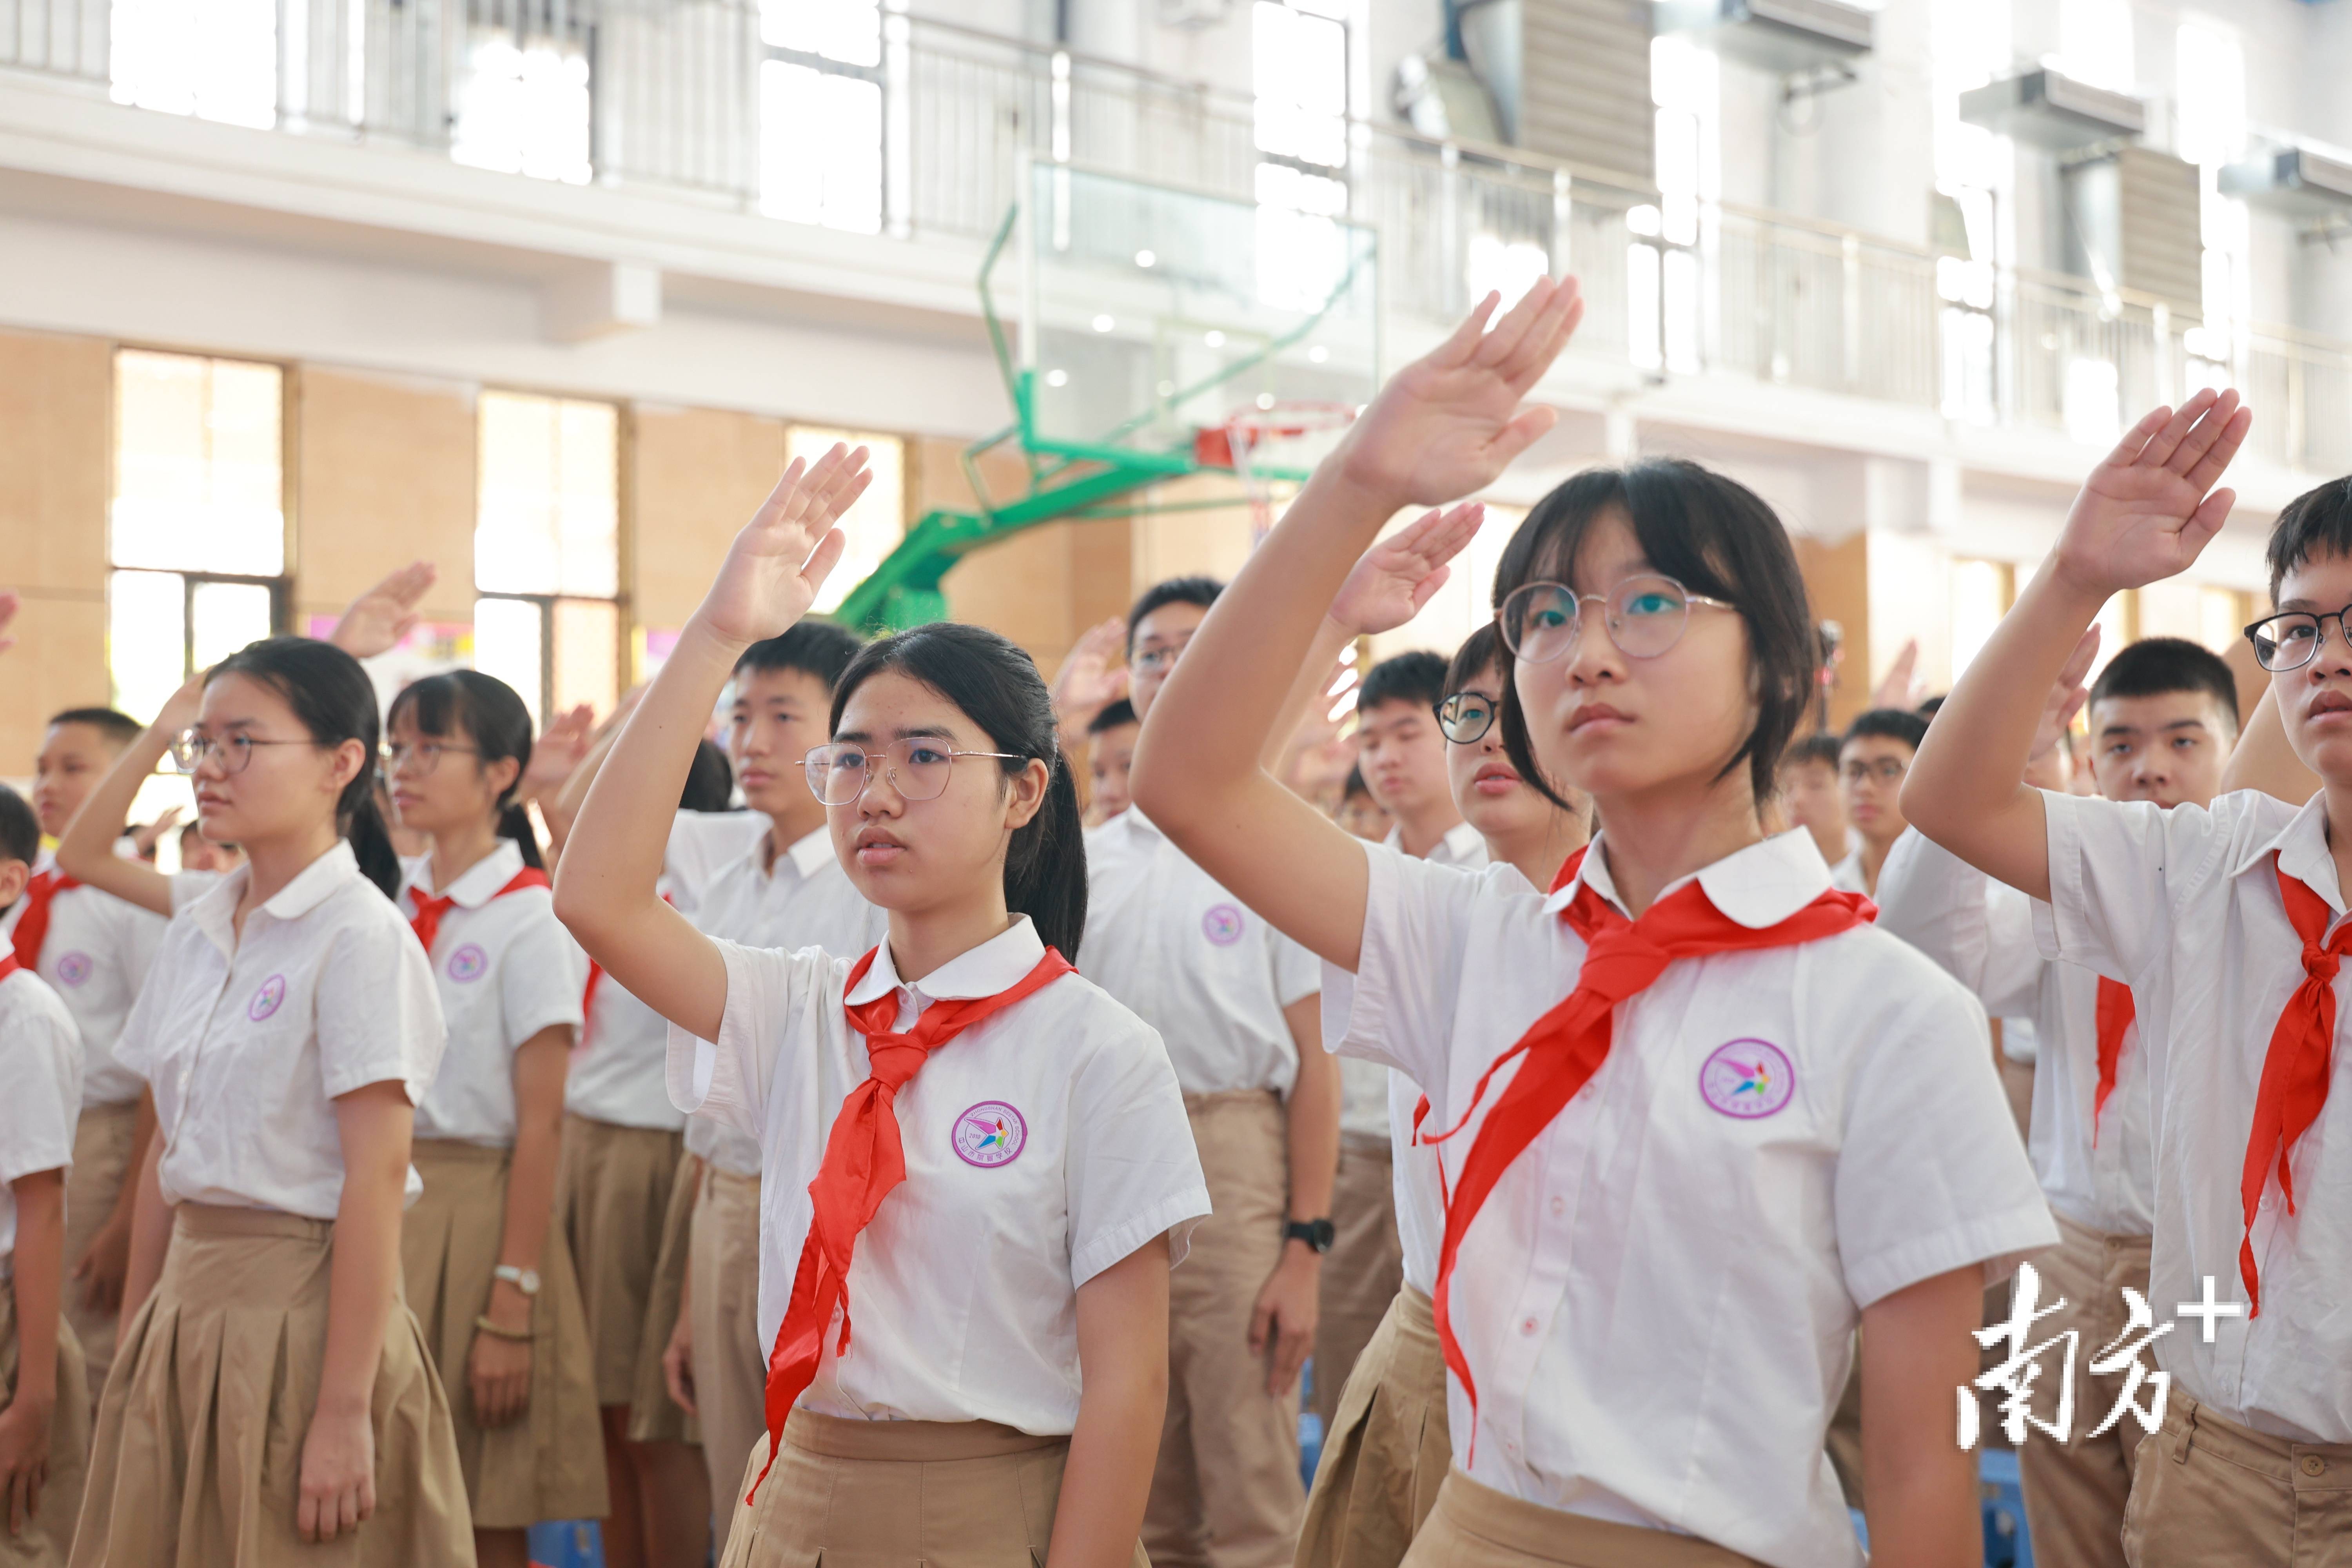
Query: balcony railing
909, 128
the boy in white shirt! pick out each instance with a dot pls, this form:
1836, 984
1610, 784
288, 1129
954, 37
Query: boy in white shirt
1401, 755
1871, 760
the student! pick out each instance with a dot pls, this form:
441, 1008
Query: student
2164, 716
1402, 753
1110, 753
44, 1419
1007, 1180
1736, 1010
2223, 922
1359, 815
1877, 749
1236, 1004
488, 1275
94, 949
1807, 786
198, 853
287, 1028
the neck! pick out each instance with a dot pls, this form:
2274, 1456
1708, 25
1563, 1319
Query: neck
1658, 836
1422, 831
922, 940
460, 850
1873, 856
1539, 852
788, 827
276, 861
2339, 832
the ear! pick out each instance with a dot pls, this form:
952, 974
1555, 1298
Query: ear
350, 759
501, 775
14, 875
1028, 795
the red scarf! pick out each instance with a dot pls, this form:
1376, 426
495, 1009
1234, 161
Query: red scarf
33, 925
1567, 1046
2115, 1014
2295, 1069
864, 1159
426, 922
8, 964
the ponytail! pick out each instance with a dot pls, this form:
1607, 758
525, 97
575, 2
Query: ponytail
370, 843
488, 712
514, 822
998, 688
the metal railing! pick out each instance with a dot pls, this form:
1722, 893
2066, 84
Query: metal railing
694, 97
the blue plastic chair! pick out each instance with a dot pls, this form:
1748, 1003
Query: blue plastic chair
2007, 1541
567, 1544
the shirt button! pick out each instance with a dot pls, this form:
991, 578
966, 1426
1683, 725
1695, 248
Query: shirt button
1528, 1327
2313, 1465
1558, 1207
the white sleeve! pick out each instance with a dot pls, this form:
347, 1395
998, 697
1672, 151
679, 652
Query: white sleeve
187, 886
701, 842
1941, 905
1132, 1171
1298, 973
540, 979
2121, 870
1417, 921
379, 1017
41, 1061
773, 1000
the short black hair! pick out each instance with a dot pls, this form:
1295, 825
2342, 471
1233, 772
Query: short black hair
709, 781
821, 649
1481, 651
1933, 706
1355, 786
1119, 712
1821, 746
118, 727
2157, 666
1201, 590
1417, 677
20, 829
1887, 723
2316, 522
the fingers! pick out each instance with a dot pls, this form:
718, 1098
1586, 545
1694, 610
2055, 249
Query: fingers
2213, 415
1470, 336
2158, 449
2078, 664
2225, 446
1510, 333
2206, 520
1545, 336
358, 1502
305, 1514
1529, 426
1261, 1321
825, 558
2136, 439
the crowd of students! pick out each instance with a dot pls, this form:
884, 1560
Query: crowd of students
861, 1143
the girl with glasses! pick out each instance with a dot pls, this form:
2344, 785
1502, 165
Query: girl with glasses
287, 1030
1692, 1112
973, 1159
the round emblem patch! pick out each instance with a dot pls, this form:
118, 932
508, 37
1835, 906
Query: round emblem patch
267, 1000
1223, 925
991, 1133
73, 968
1746, 1079
467, 964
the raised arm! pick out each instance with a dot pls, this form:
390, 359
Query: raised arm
378, 619
2144, 514
604, 883
1443, 428
86, 851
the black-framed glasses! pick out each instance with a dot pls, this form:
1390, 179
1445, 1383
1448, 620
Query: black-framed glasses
191, 747
917, 767
1466, 717
1885, 770
2293, 638
417, 759
1158, 657
1645, 614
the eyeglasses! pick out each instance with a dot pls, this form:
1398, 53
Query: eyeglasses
918, 769
1645, 614
1886, 771
417, 759
2294, 639
1466, 717
1150, 660
191, 747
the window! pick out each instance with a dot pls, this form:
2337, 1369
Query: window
1982, 593
547, 551
1662, 263
523, 104
1299, 78
825, 91
875, 524
196, 531
2222, 616
2212, 128
216, 60
2095, 43
1973, 170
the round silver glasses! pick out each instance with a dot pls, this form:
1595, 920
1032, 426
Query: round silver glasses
917, 767
191, 747
1645, 614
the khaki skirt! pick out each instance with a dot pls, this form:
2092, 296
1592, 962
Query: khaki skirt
101, 1163
1474, 1526
1388, 1450
198, 1458
48, 1540
654, 1416
545, 1463
964, 1494
612, 1197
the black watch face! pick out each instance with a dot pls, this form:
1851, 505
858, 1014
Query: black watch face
1318, 1234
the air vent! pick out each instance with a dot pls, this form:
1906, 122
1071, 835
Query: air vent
2293, 180
1584, 85
2049, 111
1783, 36
2136, 225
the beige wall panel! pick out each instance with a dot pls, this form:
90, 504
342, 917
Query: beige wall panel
59, 661
695, 476
1213, 542
382, 473
56, 411
1837, 584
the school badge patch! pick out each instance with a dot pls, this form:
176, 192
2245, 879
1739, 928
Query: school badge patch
1745, 1079
990, 1134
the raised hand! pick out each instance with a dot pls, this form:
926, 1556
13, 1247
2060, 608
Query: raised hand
378, 619
782, 556
2145, 514
1900, 689
560, 745
1397, 576
1092, 676
9, 603
2067, 695
1446, 425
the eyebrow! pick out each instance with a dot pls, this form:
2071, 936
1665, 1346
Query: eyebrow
909, 733
2161, 729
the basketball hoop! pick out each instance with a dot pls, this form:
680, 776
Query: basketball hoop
1245, 437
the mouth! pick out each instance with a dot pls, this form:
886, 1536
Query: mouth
755, 778
210, 800
2327, 701
876, 847
1495, 778
1597, 718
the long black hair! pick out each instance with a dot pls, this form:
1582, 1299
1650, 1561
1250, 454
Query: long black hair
486, 710
333, 699
1715, 537
998, 688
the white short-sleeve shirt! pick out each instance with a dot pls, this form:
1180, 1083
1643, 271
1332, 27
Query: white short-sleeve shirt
1981, 932
95, 957
1192, 961
506, 969
2184, 905
1364, 1086
1043, 1144
1658, 1300
616, 1072
41, 1061
248, 1042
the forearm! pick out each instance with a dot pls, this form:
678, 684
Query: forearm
1916, 1350
150, 1233
1313, 1115
1123, 1374
539, 1068
39, 1265
362, 1281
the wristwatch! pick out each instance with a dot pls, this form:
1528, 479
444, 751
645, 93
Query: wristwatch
523, 1279
1318, 1234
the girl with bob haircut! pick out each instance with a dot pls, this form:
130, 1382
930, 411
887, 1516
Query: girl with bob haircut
1000, 1147
272, 1391
1695, 1118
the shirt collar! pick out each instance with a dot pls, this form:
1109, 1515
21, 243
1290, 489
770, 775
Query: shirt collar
1459, 842
1136, 822
1757, 887
2301, 849
479, 883
810, 853
215, 910
997, 964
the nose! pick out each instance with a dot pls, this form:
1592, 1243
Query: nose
1596, 656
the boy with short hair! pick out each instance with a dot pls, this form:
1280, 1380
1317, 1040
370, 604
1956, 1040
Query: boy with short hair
1359, 813
44, 1419
2163, 718
2228, 925
1809, 790
1871, 760
1402, 753
1110, 756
